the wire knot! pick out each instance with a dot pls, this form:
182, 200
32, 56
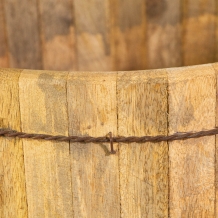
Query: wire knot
110, 136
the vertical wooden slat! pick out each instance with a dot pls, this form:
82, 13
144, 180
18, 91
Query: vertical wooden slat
163, 33
4, 62
93, 35
128, 33
142, 110
215, 66
95, 175
199, 23
47, 164
12, 177
23, 34
192, 99
57, 34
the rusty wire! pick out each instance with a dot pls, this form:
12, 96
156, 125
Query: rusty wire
109, 138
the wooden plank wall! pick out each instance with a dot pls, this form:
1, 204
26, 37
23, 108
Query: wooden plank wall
102, 35
60, 179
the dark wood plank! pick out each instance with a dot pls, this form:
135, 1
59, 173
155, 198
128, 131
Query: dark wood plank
23, 34
57, 34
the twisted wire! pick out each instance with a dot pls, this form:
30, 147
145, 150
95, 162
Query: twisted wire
109, 137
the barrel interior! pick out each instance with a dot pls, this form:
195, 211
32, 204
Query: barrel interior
107, 35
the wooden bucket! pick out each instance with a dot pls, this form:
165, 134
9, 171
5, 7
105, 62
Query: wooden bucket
63, 179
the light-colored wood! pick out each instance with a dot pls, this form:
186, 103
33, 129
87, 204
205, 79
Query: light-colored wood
12, 178
192, 102
215, 66
142, 110
93, 35
23, 34
199, 31
128, 32
163, 31
3, 39
43, 104
57, 34
95, 175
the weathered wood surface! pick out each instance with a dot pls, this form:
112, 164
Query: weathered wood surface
23, 35
199, 31
60, 179
95, 173
98, 35
43, 105
57, 34
13, 196
216, 152
93, 35
128, 24
142, 110
163, 33
192, 103
4, 62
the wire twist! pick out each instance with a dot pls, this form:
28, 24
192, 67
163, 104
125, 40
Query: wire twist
109, 137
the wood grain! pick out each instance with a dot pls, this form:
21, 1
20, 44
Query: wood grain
199, 31
215, 66
43, 105
4, 62
95, 175
128, 34
12, 176
23, 34
57, 34
142, 110
192, 99
163, 33
93, 35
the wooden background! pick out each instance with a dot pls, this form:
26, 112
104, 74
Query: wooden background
60, 179
107, 34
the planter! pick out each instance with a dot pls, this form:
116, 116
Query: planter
102, 50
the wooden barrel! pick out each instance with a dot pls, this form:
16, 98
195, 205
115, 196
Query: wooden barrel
60, 179
101, 49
